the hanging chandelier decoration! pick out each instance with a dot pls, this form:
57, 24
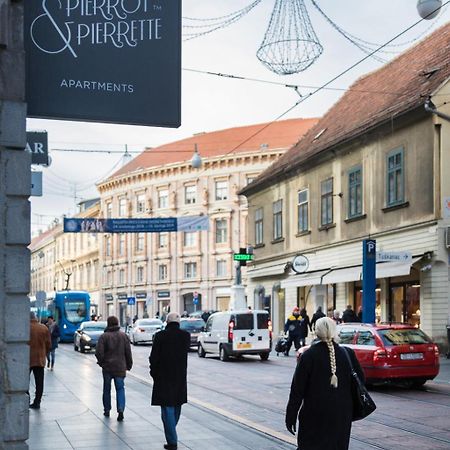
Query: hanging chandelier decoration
290, 44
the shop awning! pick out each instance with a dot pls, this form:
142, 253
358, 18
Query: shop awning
259, 272
343, 275
395, 269
305, 279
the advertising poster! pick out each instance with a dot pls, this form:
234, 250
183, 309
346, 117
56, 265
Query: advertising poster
114, 61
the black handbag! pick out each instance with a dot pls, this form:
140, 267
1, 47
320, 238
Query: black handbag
363, 405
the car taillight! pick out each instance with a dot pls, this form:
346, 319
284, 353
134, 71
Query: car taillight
269, 326
379, 354
436, 351
230, 331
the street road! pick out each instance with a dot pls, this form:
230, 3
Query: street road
254, 393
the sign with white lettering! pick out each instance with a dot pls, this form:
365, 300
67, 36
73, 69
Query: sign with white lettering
300, 264
115, 61
37, 145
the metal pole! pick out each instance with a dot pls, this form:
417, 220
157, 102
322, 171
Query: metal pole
369, 280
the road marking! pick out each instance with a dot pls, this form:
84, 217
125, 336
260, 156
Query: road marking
222, 412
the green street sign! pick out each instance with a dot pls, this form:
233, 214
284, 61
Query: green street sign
242, 257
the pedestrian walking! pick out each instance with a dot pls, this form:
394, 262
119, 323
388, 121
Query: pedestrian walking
40, 344
113, 353
168, 368
292, 327
316, 316
360, 314
337, 317
349, 316
321, 386
304, 326
55, 334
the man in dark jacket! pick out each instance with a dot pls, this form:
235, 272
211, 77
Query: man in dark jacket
168, 368
113, 353
292, 327
316, 316
55, 335
349, 315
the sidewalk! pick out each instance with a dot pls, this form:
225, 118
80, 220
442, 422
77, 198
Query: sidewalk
71, 417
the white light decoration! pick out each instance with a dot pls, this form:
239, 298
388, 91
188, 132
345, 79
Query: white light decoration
196, 160
429, 9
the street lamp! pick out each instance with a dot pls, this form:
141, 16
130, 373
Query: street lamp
429, 9
196, 160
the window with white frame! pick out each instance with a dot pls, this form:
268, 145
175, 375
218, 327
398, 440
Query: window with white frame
163, 240
162, 272
221, 231
122, 206
395, 178
163, 198
355, 192
139, 274
140, 242
109, 210
190, 270
302, 210
221, 268
190, 194
140, 203
326, 202
122, 242
121, 280
221, 188
189, 238
250, 178
277, 219
259, 226
107, 246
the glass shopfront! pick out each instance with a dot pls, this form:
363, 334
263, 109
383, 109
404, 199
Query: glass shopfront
404, 303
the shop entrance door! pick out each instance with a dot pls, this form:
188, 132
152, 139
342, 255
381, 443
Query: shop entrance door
404, 303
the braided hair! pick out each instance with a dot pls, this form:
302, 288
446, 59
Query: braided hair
326, 330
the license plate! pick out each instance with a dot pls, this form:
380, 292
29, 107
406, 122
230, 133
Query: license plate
241, 345
410, 356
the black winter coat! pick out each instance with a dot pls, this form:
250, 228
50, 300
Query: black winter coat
349, 316
168, 366
325, 418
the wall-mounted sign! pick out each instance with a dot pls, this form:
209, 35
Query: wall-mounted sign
109, 297
140, 294
300, 264
394, 256
163, 294
37, 145
156, 225
122, 296
116, 61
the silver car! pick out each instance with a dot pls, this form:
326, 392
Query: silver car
143, 330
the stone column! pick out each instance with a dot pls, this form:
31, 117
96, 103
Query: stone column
15, 184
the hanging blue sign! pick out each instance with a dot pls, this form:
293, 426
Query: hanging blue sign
149, 225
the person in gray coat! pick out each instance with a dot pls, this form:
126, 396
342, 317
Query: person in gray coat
168, 368
113, 353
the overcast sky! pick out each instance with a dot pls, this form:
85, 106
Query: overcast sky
211, 103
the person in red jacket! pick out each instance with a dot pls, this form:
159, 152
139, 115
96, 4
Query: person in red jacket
40, 344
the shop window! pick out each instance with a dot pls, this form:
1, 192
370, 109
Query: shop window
395, 178
326, 202
259, 226
302, 208
355, 192
277, 219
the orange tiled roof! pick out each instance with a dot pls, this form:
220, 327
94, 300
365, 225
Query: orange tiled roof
396, 88
282, 134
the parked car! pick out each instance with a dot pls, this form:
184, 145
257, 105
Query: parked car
143, 330
194, 327
86, 337
237, 333
390, 352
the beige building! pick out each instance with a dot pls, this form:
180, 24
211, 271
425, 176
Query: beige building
58, 257
376, 165
169, 270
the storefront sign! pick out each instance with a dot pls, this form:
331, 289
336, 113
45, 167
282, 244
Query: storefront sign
157, 225
37, 145
122, 296
115, 61
163, 294
140, 294
394, 256
300, 264
109, 297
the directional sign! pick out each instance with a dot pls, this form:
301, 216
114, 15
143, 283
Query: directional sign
394, 257
242, 257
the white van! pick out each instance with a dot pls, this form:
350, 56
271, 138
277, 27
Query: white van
236, 333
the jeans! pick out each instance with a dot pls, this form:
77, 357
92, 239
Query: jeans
119, 384
38, 373
170, 416
51, 358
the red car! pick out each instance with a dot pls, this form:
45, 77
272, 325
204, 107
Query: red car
390, 352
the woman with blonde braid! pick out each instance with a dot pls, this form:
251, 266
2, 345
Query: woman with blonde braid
321, 391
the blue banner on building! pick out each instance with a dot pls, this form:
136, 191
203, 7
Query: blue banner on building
153, 225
